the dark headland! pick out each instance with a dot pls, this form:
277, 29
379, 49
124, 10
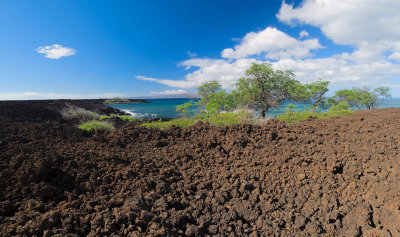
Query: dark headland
42, 110
330, 177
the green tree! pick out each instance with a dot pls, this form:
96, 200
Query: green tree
214, 99
313, 93
207, 89
363, 98
220, 101
184, 109
342, 105
290, 108
265, 88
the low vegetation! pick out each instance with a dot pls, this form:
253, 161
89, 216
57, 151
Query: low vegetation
96, 125
89, 120
228, 118
218, 119
362, 98
293, 117
117, 100
83, 115
180, 122
123, 117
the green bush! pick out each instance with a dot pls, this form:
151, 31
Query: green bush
219, 119
96, 125
342, 105
117, 100
126, 118
181, 122
73, 112
292, 117
227, 118
123, 117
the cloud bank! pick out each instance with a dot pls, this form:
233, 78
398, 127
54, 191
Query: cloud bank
56, 51
272, 42
169, 92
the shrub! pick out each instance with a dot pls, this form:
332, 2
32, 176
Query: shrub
184, 109
219, 119
292, 117
96, 125
342, 105
123, 117
117, 100
227, 118
126, 118
73, 112
181, 122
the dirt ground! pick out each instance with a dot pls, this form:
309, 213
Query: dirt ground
331, 177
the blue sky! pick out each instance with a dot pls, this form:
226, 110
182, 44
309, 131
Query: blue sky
98, 49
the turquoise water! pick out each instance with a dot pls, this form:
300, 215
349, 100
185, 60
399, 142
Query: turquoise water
157, 108
165, 108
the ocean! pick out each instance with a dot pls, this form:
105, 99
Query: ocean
157, 108
165, 108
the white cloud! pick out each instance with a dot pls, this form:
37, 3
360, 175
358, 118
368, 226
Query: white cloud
220, 70
42, 96
395, 56
338, 70
274, 43
303, 34
169, 92
348, 22
168, 82
56, 51
370, 26
191, 54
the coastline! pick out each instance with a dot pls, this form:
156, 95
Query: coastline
42, 110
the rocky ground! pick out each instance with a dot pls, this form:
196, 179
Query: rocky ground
331, 177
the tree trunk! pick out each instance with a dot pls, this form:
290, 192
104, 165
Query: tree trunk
263, 113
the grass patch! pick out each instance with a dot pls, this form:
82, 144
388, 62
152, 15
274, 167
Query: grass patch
228, 118
181, 122
123, 117
117, 100
293, 117
96, 125
73, 112
221, 119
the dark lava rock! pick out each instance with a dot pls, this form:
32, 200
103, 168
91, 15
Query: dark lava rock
333, 177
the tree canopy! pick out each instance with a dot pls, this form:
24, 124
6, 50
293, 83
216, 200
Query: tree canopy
362, 98
264, 87
207, 89
312, 93
184, 109
220, 101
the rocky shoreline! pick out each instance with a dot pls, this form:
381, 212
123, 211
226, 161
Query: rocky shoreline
47, 110
331, 177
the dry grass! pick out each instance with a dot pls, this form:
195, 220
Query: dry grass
73, 112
